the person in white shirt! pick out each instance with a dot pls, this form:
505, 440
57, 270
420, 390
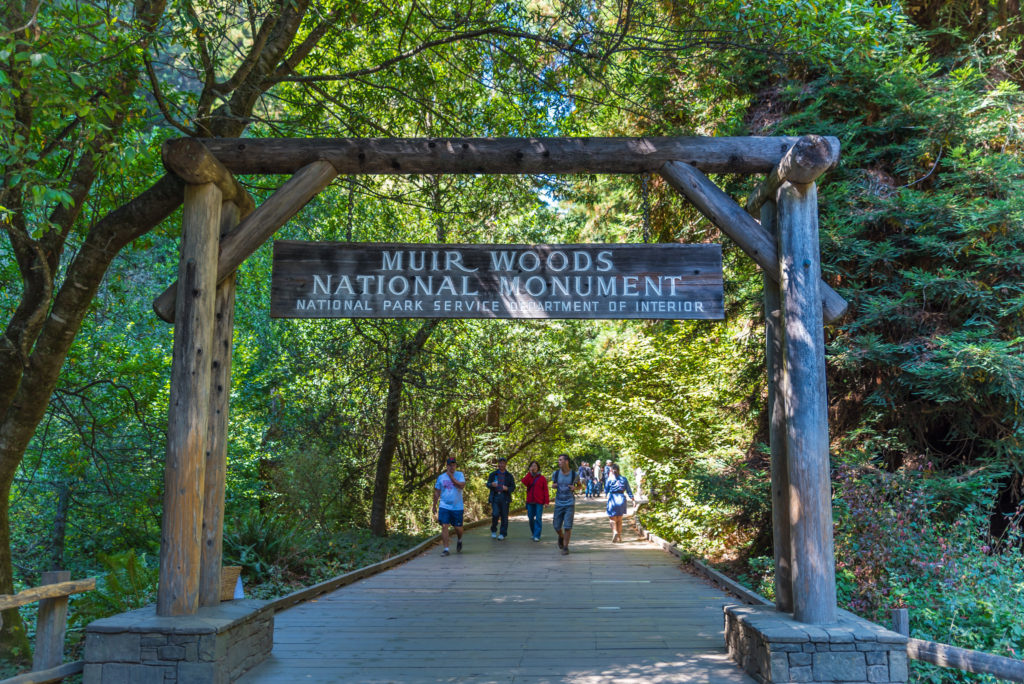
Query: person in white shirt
448, 493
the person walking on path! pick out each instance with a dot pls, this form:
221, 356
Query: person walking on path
536, 497
448, 491
584, 476
563, 480
501, 485
617, 487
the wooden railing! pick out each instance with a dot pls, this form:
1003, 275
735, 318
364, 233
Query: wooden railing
48, 661
955, 657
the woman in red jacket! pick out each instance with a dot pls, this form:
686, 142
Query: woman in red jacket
536, 498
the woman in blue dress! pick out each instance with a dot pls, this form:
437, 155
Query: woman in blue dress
617, 487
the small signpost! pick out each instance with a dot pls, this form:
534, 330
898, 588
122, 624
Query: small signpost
593, 281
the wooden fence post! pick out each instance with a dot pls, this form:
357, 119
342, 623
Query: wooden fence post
806, 405
51, 625
217, 443
777, 428
189, 409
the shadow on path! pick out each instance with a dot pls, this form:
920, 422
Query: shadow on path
513, 611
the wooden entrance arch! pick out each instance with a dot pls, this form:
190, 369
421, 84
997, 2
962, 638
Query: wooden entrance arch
221, 227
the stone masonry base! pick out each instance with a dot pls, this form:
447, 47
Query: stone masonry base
773, 647
216, 646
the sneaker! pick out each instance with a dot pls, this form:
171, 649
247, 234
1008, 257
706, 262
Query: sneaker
536, 539
501, 536
494, 535
565, 550
446, 552
458, 547
616, 539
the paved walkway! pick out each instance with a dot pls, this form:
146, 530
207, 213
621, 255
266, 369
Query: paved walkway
513, 611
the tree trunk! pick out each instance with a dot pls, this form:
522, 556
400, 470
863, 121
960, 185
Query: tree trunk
60, 525
13, 640
38, 377
407, 352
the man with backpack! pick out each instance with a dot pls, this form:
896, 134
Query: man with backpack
564, 481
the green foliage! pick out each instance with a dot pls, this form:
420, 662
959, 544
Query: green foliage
920, 540
267, 545
128, 583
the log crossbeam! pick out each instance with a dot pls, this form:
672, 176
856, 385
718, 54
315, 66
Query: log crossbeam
191, 161
809, 158
749, 154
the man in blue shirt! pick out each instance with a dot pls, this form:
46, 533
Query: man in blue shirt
448, 492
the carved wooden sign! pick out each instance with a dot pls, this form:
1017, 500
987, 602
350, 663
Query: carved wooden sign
389, 280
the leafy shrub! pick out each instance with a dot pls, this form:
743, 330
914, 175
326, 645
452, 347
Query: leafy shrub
267, 545
921, 541
130, 582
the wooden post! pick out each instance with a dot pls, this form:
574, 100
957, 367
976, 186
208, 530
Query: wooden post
217, 443
810, 506
189, 410
900, 621
257, 228
777, 429
51, 625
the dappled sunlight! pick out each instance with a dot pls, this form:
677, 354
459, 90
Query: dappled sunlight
514, 610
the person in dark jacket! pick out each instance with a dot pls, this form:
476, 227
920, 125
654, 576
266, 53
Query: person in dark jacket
501, 484
536, 497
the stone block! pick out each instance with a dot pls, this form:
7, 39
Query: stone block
778, 667
198, 672
112, 648
152, 640
171, 652
898, 666
809, 648
92, 673
876, 658
799, 659
878, 673
207, 647
800, 674
840, 667
840, 634
148, 654
842, 647
871, 646
817, 634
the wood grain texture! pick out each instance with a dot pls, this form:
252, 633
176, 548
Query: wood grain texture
217, 439
944, 655
395, 280
721, 210
53, 674
513, 610
189, 159
51, 624
774, 334
189, 404
806, 405
809, 158
502, 155
258, 226
900, 621
23, 598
